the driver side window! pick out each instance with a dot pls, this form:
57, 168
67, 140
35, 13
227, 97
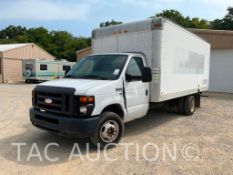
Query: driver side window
134, 69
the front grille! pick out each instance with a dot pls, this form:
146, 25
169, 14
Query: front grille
57, 101
62, 99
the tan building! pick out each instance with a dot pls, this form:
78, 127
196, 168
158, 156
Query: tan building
221, 62
219, 39
82, 53
11, 56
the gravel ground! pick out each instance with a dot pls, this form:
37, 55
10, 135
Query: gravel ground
161, 143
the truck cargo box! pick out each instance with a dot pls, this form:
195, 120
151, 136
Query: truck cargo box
178, 58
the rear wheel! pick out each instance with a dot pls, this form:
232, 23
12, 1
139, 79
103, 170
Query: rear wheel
180, 106
27, 81
189, 105
109, 130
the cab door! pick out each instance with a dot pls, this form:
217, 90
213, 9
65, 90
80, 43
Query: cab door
136, 92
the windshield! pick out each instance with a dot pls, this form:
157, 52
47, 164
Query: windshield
104, 67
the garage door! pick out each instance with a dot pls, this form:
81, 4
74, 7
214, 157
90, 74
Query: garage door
12, 70
221, 71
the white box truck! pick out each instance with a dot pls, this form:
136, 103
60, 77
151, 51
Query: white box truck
133, 67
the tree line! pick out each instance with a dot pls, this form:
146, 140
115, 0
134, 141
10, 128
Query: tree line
226, 23
63, 45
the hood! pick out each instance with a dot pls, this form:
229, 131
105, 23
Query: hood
83, 86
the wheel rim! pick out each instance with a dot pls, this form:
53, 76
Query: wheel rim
109, 131
192, 106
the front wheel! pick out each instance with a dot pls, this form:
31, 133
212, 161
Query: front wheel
109, 130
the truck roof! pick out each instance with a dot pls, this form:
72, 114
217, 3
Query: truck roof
144, 25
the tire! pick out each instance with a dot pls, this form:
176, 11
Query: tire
189, 105
180, 106
27, 73
28, 81
114, 124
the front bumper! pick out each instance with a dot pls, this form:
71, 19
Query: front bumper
64, 125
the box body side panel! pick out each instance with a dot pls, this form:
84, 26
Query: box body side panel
184, 63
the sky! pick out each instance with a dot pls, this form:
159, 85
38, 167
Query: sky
79, 17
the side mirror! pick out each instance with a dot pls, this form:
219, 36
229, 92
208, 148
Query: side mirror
67, 70
146, 75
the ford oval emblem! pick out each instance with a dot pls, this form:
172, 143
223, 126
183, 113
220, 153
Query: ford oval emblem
48, 100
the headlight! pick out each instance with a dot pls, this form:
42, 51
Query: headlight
83, 109
84, 104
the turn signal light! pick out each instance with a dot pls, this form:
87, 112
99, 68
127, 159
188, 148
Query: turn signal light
84, 99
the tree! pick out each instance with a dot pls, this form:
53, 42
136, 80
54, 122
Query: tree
186, 22
40, 36
66, 44
61, 44
12, 32
199, 23
175, 16
110, 23
224, 24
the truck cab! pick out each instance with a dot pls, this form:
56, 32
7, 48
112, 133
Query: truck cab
98, 95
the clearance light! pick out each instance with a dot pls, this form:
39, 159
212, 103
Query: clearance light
91, 99
157, 26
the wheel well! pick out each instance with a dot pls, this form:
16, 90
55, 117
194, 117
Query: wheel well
116, 108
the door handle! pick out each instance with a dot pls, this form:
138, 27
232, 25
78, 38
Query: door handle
146, 92
119, 89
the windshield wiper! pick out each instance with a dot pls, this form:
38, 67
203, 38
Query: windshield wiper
93, 76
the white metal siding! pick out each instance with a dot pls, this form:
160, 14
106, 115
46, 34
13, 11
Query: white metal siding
221, 71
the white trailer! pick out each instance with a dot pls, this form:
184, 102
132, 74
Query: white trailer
178, 58
44, 70
134, 67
